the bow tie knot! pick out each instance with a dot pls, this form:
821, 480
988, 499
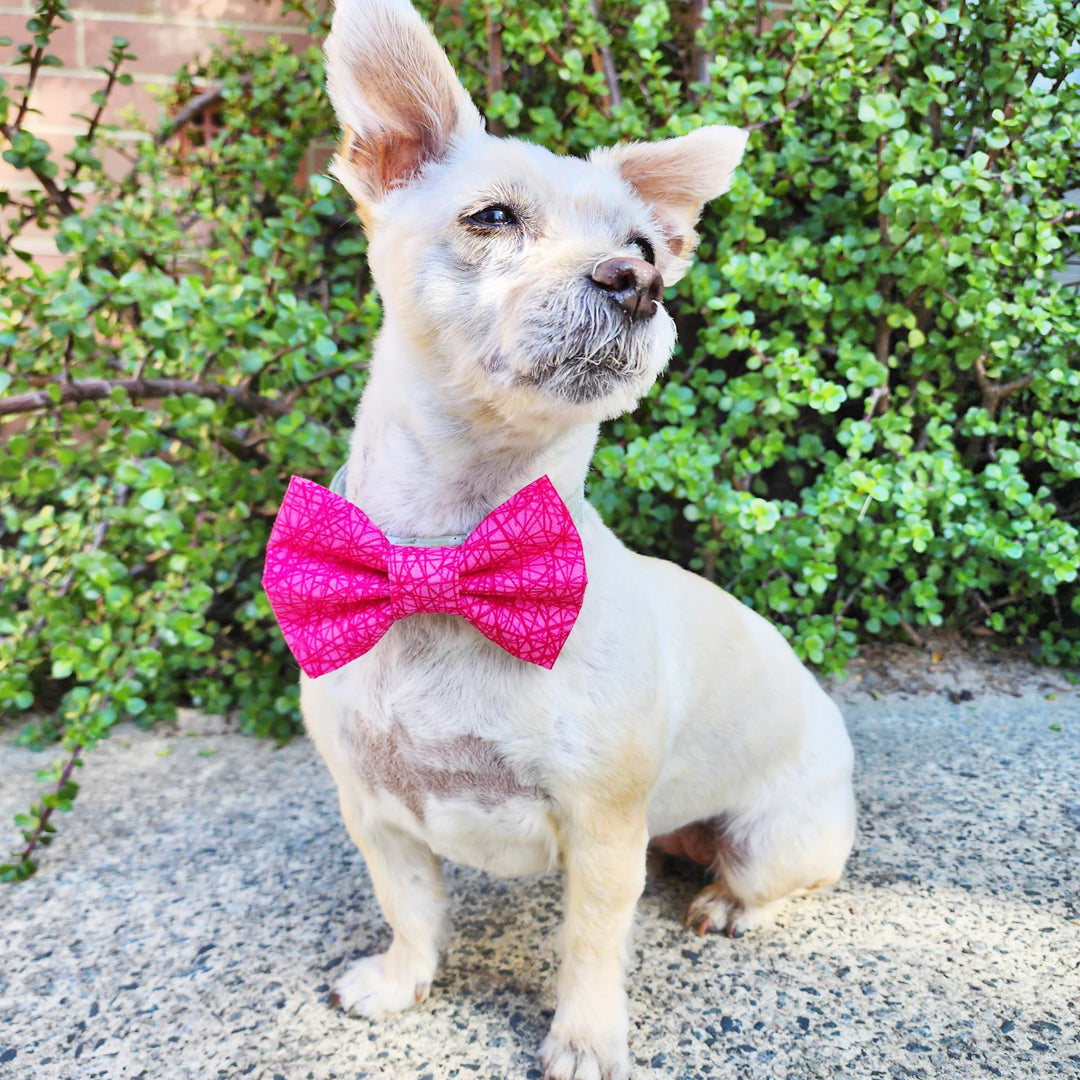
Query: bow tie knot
424, 580
337, 583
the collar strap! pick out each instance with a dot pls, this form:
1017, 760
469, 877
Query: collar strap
337, 486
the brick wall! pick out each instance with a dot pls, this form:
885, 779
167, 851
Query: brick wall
164, 36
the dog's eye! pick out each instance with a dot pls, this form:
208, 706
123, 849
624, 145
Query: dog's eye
494, 216
647, 251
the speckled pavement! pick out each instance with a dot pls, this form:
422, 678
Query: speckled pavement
198, 903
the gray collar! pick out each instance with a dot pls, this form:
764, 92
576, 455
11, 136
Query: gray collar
337, 486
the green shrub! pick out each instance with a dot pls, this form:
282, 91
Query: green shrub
870, 426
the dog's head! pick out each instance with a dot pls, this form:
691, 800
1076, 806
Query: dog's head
532, 283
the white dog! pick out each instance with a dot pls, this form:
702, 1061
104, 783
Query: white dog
523, 304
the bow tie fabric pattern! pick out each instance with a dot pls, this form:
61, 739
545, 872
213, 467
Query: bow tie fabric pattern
337, 584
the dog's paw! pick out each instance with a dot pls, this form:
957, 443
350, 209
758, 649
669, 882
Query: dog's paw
714, 909
368, 989
568, 1058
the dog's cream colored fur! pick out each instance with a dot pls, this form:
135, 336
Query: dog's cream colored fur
671, 703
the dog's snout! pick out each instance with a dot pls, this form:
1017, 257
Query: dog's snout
634, 284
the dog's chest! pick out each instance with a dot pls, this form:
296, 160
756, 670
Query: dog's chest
419, 751
416, 769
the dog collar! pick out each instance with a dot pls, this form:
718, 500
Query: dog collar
337, 486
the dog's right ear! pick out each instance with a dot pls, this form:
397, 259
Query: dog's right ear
677, 177
396, 95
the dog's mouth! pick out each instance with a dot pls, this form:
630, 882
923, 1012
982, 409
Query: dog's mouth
585, 376
578, 347
594, 363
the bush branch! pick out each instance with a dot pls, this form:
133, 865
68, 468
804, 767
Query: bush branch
702, 58
184, 116
329, 373
24, 859
994, 393
791, 107
494, 69
60, 198
95, 120
191, 111
607, 62
95, 389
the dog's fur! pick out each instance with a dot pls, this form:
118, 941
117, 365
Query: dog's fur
673, 711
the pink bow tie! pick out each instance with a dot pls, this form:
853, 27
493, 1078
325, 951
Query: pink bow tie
337, 584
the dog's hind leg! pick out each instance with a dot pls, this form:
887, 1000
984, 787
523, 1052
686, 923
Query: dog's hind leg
409, 887
789, 847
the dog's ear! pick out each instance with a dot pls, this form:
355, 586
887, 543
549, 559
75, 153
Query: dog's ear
396, 95
677, 177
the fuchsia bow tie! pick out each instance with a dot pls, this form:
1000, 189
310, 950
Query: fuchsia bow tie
337, 584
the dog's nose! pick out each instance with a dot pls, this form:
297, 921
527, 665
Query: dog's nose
634, 284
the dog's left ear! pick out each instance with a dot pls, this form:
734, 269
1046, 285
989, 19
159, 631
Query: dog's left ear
398, 100
677, 177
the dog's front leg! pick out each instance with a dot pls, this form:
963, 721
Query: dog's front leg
409, 887
603, 850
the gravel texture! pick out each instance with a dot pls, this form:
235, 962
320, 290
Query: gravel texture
203, 895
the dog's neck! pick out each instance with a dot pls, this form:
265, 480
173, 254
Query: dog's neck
422, 465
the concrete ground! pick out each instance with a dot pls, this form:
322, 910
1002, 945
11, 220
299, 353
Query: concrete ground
198, 903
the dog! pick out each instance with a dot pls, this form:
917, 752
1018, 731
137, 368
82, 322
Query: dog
523, 305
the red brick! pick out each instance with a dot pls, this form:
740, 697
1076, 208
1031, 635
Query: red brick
164, 48
319, 158
30, 238
46, 262
124, 7
21, 179
249, 11
30, 233
115, 162
15, 180
116, 166
119, 164
62, 44
58, 96
159, 48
